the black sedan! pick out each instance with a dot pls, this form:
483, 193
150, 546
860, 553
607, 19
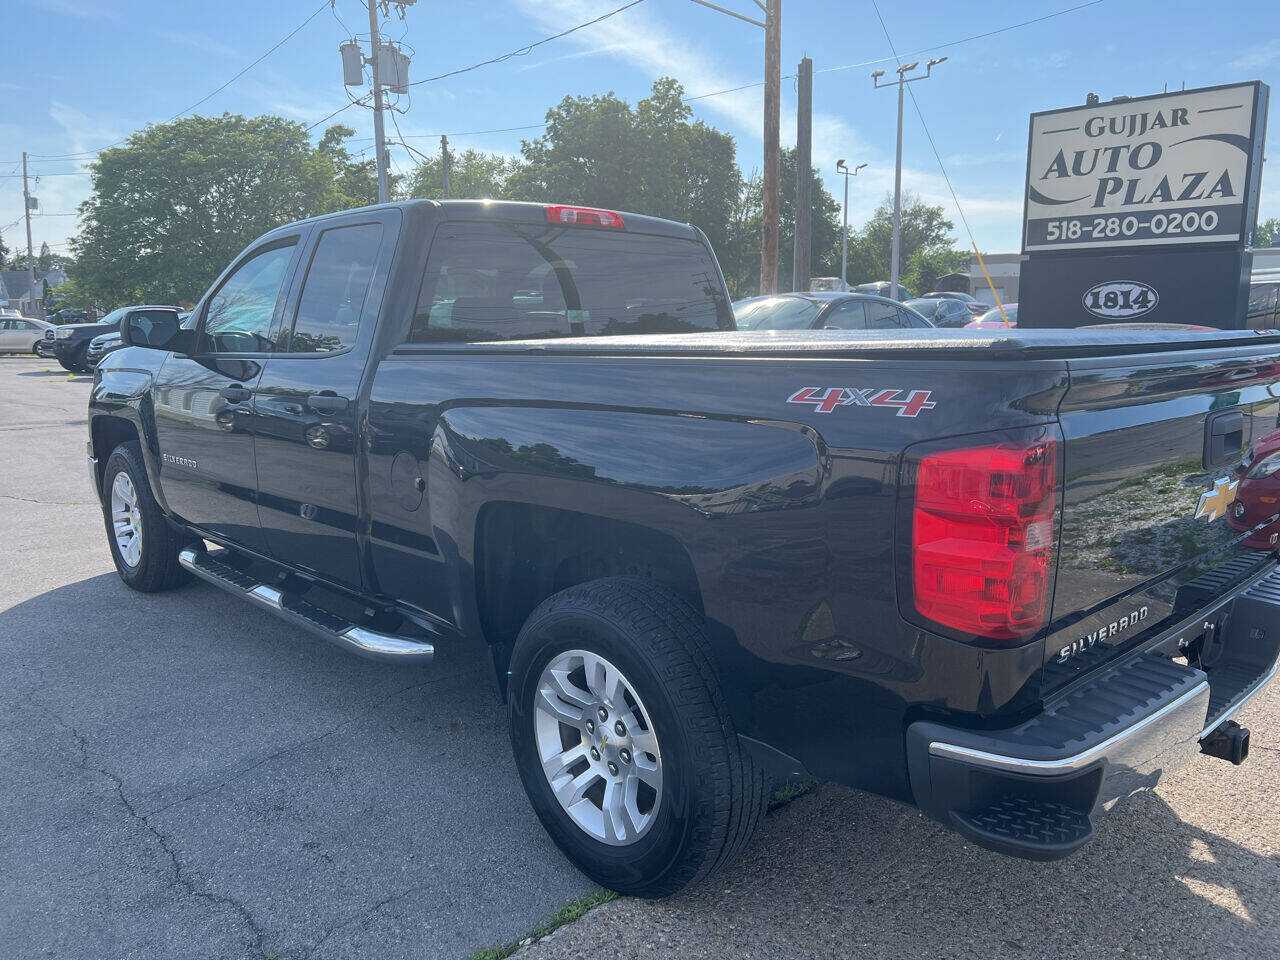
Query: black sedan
825, 311
942, 311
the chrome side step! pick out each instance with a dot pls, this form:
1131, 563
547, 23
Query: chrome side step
361, 641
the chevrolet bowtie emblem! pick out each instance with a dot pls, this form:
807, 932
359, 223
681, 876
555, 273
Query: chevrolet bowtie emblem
1214, 503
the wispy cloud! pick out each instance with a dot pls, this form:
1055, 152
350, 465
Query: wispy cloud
1259, 57
198, 41
81, 10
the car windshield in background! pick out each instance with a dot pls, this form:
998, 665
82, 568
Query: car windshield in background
994, 316
776, 313
115, 316
514, 281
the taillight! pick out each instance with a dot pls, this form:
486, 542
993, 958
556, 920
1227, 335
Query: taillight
586, 217
983, 525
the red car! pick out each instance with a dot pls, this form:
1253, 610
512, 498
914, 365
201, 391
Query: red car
1258, 493
992, 318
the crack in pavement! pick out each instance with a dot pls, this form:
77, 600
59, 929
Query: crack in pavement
52, 503
181, 874
301, 744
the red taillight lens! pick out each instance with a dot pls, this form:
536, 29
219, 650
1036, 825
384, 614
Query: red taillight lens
586, 217
982, 535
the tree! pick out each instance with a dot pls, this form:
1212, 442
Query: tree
927, 247
178, 201
653, 159
1268, 233
472, 176
740, 259
44, 261
356, 180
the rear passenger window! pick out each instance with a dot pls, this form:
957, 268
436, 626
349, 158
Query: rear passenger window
513, 281
847, 316
335, 288
882, 316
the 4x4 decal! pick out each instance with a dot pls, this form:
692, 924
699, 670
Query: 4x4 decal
826, 399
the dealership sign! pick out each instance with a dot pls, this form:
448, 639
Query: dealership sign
1176, 168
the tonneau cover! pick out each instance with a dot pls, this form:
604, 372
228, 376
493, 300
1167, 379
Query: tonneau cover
940, 343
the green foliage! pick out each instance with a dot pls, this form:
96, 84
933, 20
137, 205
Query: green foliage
472, 176
1268, 233
356, 180
601, 152
173, 206
575, 909
740, 259
927, 245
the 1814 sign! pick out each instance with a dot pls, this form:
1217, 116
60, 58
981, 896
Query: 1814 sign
1169, 169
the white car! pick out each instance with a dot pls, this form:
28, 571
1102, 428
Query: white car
20, 334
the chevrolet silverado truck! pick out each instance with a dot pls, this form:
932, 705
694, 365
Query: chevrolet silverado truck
988, 573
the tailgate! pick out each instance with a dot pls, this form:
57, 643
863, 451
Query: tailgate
1153, 486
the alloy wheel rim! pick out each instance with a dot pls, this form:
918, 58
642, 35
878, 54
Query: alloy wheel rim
597, 747
126, 519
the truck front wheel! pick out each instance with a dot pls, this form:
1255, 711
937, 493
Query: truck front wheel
622, 739
144, 545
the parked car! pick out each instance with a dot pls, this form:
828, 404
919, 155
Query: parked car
19, 334
1264, 304
102, 345
1257, 495
976, 306
994, 318
67, 316
883, 288
701, 557
827, 285
71, 340
825, 311
941, 311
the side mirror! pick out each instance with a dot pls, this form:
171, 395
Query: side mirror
157, 330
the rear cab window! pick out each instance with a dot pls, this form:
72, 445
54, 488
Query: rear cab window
491, 281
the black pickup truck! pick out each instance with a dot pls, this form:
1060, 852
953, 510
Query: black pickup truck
989, 573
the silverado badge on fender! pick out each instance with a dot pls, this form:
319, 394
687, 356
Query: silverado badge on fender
1213, 503
826, 399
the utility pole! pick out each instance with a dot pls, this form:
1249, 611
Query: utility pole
900, 83
841, 167
772, 26
802, 255
772, 101
379, 135
444, 164
26, 209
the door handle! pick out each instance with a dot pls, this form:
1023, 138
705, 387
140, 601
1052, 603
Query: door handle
327, 402
234, 393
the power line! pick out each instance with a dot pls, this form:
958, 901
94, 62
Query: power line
525, 50
280, 43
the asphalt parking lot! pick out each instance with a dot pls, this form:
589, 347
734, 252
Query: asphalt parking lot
183, 776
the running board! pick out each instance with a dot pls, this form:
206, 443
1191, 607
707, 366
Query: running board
361, 641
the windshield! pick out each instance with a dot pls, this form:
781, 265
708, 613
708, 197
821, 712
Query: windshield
115, 316
926, 308
993, 315
776, 313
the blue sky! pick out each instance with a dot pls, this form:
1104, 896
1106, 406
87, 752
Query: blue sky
95, 70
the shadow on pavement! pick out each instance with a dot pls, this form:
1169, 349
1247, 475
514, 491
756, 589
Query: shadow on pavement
187, 776
841, 873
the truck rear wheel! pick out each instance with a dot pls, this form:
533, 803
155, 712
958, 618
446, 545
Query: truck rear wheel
622, 739
143, 544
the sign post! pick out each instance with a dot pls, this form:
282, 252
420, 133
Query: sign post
1143, 209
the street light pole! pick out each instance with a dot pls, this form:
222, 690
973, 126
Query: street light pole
841, 167
900, 83
772, 26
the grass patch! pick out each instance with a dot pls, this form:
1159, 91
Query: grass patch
792, 790
573, 910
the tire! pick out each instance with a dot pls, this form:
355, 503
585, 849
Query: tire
66, 365
711, 794
35, 347
154, 566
